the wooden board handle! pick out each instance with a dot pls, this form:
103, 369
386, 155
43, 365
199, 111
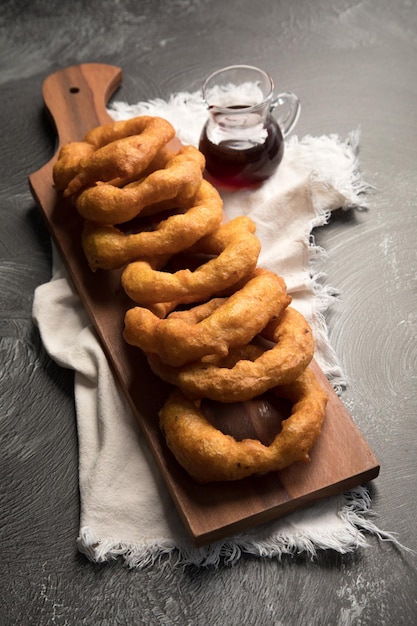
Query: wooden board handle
76, 98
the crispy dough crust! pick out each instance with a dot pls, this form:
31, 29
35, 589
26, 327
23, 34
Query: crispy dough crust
209, 455
177, 342
122, 150
252, 370
178, 180
237, 248
67, 165
107, 247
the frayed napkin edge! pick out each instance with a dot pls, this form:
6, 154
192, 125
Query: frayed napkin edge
354, 513
352, 189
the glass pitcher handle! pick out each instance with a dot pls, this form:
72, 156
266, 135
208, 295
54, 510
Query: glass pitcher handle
286, 108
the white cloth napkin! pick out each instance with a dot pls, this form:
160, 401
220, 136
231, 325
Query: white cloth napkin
125, 507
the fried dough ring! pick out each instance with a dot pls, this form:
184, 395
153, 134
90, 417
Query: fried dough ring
108, 247
162, 309
113, 131
235, 322
67, 164
179, 179
209, 455
123, 151
237, 248
252, 370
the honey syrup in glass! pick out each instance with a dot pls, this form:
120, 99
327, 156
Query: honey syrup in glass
244, 162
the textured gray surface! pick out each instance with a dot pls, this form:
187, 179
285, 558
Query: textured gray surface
353, 64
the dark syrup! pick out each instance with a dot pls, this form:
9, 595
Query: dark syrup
233, 168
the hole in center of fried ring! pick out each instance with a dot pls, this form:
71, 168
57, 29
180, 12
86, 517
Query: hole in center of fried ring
209, 455
259, 418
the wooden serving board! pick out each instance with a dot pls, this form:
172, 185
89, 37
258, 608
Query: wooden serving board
76, 98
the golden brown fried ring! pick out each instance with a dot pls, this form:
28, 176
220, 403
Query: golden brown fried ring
67, 165
237, 248
108, 247
250, 372
69, 157
179, 179
113, 131
209, 455
124, 157
242, 316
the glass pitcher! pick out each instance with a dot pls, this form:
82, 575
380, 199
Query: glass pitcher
243, 138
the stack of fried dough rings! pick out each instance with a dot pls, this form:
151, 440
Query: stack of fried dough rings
210, 321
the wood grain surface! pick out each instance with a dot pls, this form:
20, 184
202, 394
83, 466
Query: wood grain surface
76, 98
